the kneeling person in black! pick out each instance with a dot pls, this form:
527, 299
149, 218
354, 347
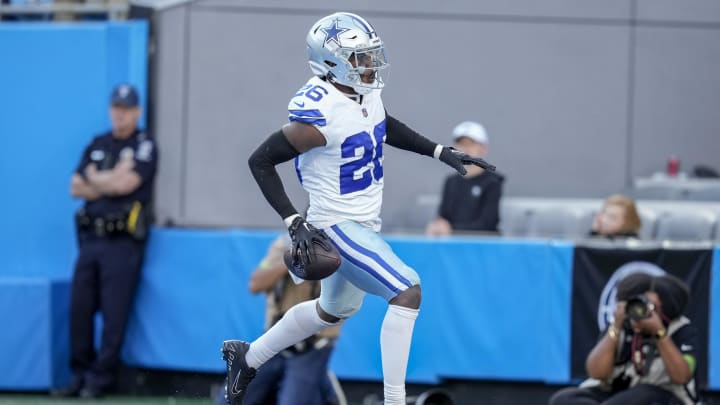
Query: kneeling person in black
115, 178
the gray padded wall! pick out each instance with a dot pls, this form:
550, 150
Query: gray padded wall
677, 98
169, 77
576, 99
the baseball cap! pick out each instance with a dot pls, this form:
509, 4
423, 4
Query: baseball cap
472, 130
126, 95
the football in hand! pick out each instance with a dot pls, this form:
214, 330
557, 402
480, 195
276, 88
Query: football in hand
322, 264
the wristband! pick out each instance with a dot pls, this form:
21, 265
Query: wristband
289, 220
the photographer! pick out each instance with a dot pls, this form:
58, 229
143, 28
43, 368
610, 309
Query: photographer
648, 354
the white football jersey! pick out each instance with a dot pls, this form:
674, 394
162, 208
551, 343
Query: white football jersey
344, 178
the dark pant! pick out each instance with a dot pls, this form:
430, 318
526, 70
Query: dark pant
299, 379
638, 395
106, 276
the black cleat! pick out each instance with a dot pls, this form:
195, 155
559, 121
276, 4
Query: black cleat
239, 374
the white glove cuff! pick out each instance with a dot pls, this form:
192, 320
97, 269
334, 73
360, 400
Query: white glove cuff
289, 220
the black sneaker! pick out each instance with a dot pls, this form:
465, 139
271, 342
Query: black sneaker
72, 390
239, 374
92, 392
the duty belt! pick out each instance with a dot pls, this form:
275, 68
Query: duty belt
110, 225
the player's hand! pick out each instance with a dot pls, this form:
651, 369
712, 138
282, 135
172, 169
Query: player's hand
457, 160
304, 238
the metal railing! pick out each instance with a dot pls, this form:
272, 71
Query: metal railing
66, 11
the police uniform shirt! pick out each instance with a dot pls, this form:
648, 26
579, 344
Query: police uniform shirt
106, 151
472, 204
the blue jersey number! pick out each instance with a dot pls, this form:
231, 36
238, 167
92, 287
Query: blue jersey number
314, 93
371, 152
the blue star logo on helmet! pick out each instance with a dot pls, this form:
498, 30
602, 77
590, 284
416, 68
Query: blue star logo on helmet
332, 32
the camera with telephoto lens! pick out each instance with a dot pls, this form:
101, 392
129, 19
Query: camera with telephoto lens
638, 307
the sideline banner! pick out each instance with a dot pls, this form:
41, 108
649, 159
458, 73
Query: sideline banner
596, 272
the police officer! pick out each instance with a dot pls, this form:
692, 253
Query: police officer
115, 178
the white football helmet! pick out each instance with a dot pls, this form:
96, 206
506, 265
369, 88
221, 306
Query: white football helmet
344, 48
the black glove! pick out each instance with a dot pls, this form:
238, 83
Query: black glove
456, 159
304, 238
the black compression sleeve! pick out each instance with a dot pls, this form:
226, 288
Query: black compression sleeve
403, 137
275, 150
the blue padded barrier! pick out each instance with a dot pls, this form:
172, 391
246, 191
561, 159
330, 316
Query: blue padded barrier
714, 338
34, 339
194, 294
506, 316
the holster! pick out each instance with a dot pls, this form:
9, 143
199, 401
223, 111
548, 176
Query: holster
131, 221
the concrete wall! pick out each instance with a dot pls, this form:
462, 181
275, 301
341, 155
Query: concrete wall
578, 96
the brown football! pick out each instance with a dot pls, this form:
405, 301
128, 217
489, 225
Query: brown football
322, 264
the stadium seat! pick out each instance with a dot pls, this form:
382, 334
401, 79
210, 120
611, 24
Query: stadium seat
648, 221
585, 221
515, 220
704, 194
415, 217
686, 226
558, 222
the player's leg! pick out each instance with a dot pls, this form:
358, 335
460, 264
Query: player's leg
377, 270
298, 323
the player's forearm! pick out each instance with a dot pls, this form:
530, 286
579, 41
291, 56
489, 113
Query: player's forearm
403, 137
675, 364
275, 150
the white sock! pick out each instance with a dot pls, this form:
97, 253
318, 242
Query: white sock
395, 337
298, 323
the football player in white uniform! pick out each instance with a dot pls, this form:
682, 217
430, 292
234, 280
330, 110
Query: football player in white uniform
336, 134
